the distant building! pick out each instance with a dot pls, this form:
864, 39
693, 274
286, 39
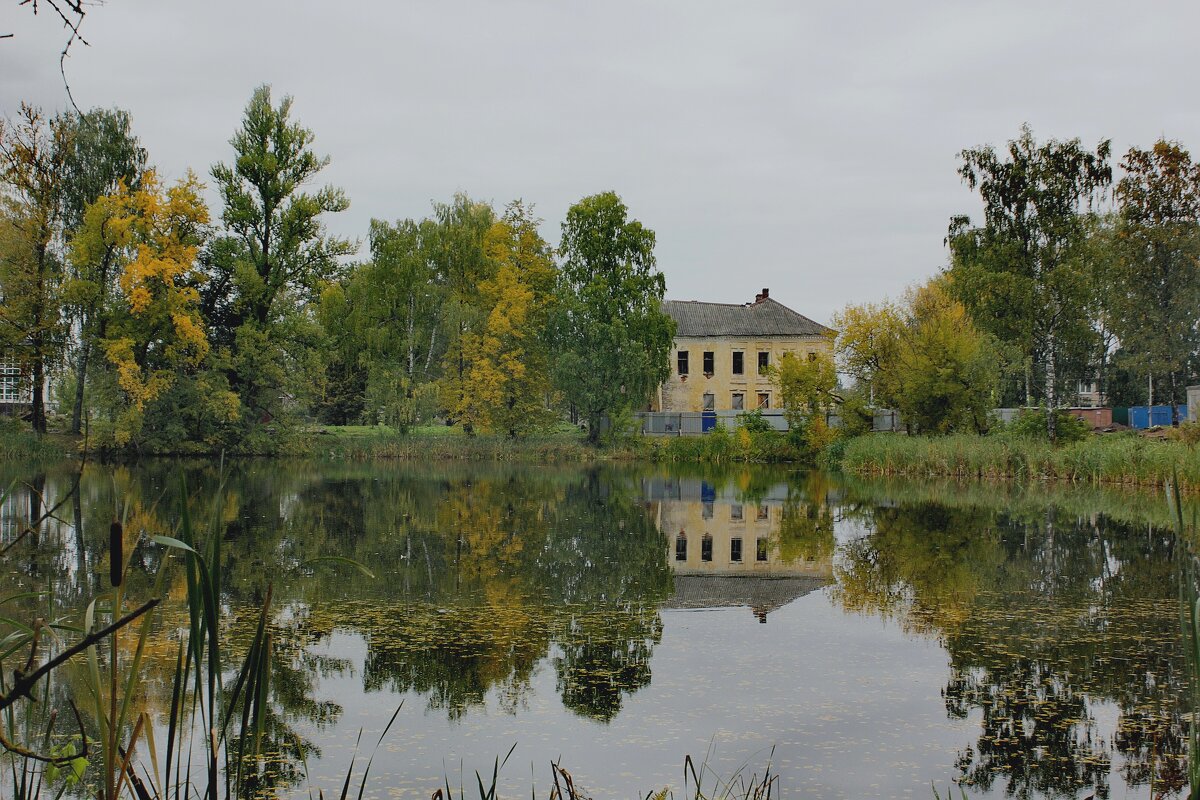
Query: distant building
724, 352
1193, 403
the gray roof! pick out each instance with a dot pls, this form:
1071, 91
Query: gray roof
760, 592
766, 318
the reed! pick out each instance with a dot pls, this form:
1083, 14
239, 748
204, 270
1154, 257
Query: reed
1118, 459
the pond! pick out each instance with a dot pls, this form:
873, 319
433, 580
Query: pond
866, 639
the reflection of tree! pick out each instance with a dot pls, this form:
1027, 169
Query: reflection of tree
806, 524
603, 656
1045, 617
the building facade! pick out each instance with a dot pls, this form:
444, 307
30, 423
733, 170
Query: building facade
724, 353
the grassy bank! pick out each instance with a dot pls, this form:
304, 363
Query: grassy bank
17, 443
563, 445
1124, 459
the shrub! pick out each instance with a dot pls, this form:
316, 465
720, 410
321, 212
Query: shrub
1031, 424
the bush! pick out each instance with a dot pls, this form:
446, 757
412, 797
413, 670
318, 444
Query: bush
1031, 424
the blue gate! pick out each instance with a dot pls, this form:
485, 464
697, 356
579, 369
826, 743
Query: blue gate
708, 421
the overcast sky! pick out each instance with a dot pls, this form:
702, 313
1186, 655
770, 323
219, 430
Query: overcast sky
808, 148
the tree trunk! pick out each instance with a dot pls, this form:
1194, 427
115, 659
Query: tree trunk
39, 399
412, 351
1028, 382
80, 378
1051, 390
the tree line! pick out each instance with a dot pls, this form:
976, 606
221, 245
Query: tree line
1073, 274
166, 326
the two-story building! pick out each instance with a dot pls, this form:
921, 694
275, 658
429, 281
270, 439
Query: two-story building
724, 353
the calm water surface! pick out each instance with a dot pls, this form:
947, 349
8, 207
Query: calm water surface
867, 639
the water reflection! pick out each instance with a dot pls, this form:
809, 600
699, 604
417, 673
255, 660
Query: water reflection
1057, 613
1050, 620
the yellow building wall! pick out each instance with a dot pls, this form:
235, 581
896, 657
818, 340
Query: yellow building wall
680, 393
721, 523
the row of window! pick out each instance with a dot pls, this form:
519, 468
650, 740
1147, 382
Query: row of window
739, 362
706, 548
736, 511
737, 401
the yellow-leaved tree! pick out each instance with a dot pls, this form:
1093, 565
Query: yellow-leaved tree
155, 330
507, 377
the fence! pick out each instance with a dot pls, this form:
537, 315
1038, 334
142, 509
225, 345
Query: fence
695, 423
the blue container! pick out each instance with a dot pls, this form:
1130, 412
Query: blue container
1141, 417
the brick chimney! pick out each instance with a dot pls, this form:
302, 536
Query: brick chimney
758, 298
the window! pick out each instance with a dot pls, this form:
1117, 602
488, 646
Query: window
710, 401
735, 549
681, 547
683, 362
763, 512
10, 382
764, 362
764, 399
739, 363
739, 401
760, 552
706, 509
708, 362
706, 548
812, 356
735, 512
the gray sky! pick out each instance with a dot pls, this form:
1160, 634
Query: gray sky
808, 148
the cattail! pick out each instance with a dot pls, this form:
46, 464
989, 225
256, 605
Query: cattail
116, 556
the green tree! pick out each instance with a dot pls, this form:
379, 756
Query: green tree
924, 357
104, 155
278, 257
461, 268
1021, 274
807, 389
1154, 298
33, 152
613, 339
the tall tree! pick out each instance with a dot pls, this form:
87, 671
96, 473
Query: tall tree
156, 330
1021, 274
32, 157
461, 267
613, 339
104, 155
1155, 300
279, 255
508, 368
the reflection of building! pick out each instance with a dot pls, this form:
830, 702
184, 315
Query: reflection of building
725, 549
724, 353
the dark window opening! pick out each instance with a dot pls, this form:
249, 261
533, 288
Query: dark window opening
681, 548
683, 362
811, 357
706, 548
763, 512
764, 400
764, 362
761, 550
739, 363
735, 549
709, 360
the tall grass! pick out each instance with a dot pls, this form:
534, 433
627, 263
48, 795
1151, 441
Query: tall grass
1111, 459
19, 444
